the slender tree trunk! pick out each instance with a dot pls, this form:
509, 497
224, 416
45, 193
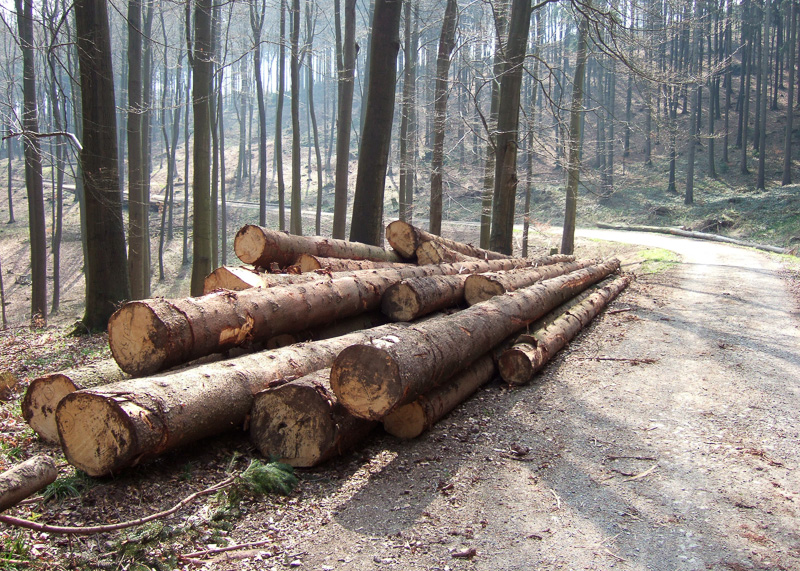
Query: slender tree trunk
787, 137
296, 216
762, 132
406, 191
377, 131
447, 43
186, 146
257, 15
345, 119
313, 114
201, 189
279, 120
573, 159
33, 162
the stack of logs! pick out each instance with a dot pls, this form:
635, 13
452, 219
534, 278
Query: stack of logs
313, 358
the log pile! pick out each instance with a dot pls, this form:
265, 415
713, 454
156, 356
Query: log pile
343, 369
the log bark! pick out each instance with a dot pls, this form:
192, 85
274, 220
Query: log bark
108, 429
411, 420
700, 236
532, 351
375, 378
485, 286
309, 263
406, 238
25, 479
435, 253
152, 335
44, 393
302, 424
261, 247
415, 297
241, 278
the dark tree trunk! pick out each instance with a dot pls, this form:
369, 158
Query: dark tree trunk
761, 133
279, 121
202, 61
33, 162
377, 130
296, 216
505, 177
787, 138
257, 14
106, 266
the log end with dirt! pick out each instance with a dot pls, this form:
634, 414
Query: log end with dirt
25, 479
365, 378
404, 238
301, 423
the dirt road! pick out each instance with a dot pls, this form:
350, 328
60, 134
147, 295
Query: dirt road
677, 449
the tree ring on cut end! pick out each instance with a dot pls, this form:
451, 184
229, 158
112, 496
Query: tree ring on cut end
366, 380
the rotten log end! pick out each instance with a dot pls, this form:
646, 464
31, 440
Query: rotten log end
366, 380
400, 302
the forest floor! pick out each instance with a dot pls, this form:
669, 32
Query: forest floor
662, 438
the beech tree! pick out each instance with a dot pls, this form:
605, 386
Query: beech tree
106, 266
376, 134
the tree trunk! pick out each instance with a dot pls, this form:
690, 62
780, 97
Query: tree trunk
311, 263
405, 239
532, 351
201, 189
501, 25
106, 266
279, 121
406, 191
414, 418
447, 43
415, 297
33, 163
787, 137
302, 424
257, 15
373, 379
574, 158
25, 479
117, 426
313, 114
377, 130
762, 131
296, 215
480, 287
153, 335
437, 253
344, 120
44, 393
505, 177
262, 247
137, 210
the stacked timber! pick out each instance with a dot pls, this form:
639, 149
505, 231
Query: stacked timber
342, 369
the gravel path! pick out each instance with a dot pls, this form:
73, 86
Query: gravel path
664, 438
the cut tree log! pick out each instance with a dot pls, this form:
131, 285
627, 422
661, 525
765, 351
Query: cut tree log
435, 253
699, 236
25, 479
241, 278
487, 285
532, 351
302, 424
261, 247
309, 263
44, 393
108, 429
411, 420
152, 335
415, 297
374, 378
406, 238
